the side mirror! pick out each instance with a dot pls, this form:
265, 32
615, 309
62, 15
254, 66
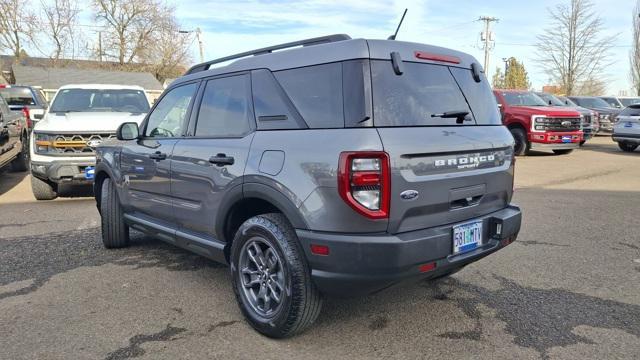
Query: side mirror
550, 103
128, 131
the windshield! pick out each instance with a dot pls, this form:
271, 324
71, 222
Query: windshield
98, 100
430, 95
551, 100
613, 102
591, 102
17, 96
523, 99
630, 101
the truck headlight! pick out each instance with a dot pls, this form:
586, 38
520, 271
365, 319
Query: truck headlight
43, 143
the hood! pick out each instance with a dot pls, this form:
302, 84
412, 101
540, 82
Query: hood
606, 110
545, 110
86, 121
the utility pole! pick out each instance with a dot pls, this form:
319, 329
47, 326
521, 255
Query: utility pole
487, 37
200, 46
198, 32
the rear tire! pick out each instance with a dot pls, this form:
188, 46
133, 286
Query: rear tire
285, 268
43, 190
627, 147
115, 232
522, 145
21, 162
562, 151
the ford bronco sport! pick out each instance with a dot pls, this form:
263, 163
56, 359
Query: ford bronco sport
333, 166
80, 117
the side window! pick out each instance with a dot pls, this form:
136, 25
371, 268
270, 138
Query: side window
316, 91
224, 111
168, 118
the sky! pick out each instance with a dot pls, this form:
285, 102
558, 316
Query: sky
240, 25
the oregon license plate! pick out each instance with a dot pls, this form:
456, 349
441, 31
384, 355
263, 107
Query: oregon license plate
467, 237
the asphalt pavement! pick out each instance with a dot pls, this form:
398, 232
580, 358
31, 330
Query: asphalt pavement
568, 288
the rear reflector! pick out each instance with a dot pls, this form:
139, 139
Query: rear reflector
437, 57
427, 267
321, 250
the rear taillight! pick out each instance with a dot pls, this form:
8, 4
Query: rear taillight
364, 182
27, 115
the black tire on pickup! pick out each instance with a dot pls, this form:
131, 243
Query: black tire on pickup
271, 240
115, 232
562, 151
21, 162
628, 147
522, 146
43, 190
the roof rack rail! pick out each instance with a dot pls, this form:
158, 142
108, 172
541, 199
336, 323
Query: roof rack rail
308, 42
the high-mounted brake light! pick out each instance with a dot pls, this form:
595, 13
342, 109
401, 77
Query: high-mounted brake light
364, 182
437, 57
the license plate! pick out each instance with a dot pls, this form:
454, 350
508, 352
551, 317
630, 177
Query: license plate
566, 139
628, 124
89, 172
467, 237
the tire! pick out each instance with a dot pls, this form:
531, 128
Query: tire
21, 162
115, 232
43, 190
582, 143
522, 146
624, 146
300, 301
562, 151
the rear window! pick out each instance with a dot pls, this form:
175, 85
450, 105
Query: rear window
633, 110
18, 96
424, 92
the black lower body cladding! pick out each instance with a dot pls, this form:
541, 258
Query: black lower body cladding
360, 264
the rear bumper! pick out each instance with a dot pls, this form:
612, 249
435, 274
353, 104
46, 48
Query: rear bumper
627, 138
363, 264
63, 171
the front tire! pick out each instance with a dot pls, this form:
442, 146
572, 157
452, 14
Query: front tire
43, 190
562, 151
627, 147
271, 278
115, 232
522, 145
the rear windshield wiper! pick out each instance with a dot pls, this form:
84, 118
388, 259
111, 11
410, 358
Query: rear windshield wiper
459, 115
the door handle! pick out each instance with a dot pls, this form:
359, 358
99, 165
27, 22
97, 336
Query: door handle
222, 160
158, 156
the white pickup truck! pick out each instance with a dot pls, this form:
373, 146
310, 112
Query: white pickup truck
79, 119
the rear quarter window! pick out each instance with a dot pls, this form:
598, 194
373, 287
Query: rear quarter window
316, 92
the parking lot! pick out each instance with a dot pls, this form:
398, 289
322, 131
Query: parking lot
567, 289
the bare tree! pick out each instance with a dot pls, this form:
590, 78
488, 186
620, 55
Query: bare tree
60, 20
169, 51
131, 25
634, 55
572, 50
17, 26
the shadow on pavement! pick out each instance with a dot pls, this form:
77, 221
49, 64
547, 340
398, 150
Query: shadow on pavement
10, 179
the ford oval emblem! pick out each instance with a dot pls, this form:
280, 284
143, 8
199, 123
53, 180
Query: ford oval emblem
409, 195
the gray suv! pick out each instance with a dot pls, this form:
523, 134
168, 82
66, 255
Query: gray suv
330, 167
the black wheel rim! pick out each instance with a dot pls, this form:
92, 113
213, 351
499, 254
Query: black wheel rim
519, 145
262, 277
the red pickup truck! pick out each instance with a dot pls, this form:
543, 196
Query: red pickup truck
536, 126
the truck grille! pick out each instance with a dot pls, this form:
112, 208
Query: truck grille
78, 143
557, 124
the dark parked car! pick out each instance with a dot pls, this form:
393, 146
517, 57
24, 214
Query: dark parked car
27, 99
14, 138
589, 117
607, 113
333, 166
614, 102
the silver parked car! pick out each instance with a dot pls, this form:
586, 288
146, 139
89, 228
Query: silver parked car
626, 132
